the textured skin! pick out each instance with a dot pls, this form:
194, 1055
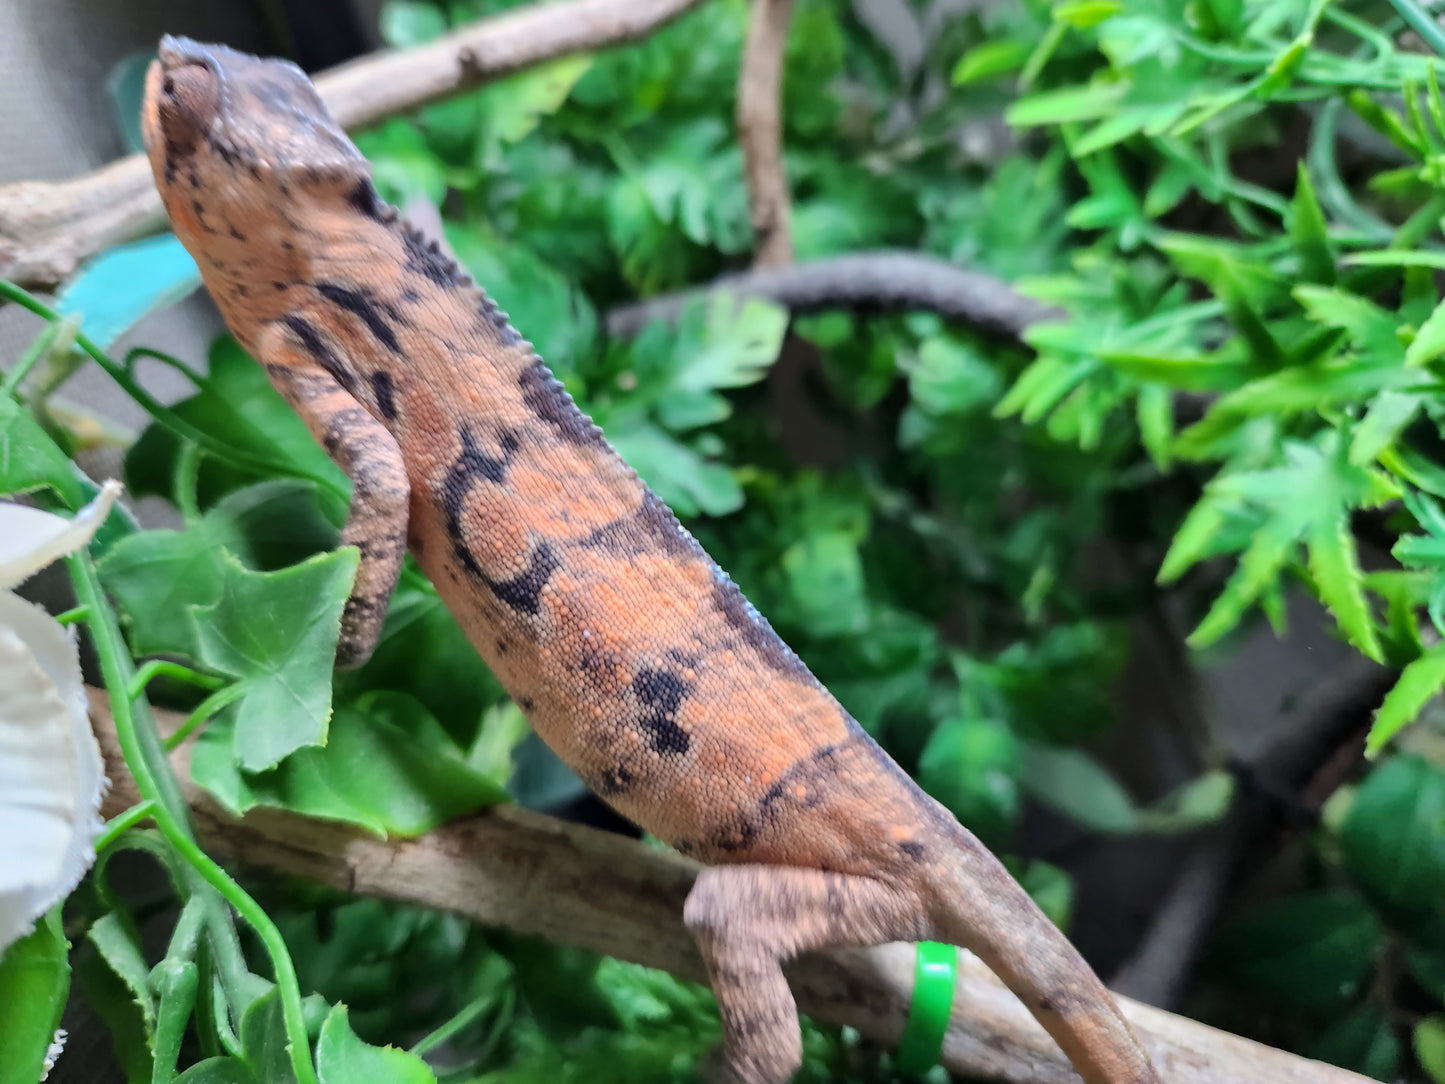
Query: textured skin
631, 652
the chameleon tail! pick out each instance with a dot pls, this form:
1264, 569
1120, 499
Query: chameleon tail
977, 905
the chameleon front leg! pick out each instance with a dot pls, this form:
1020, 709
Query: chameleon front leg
749, 919
368, 454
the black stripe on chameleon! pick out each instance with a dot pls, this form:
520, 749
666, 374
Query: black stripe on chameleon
363, 304
651, 528
384, 391
312, 342
522, 593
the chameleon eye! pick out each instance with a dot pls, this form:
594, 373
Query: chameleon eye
191, 98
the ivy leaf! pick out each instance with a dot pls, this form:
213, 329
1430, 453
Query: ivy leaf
1393, 838
342, 1058
1071, 782
236, 404
156, 576
30, 460
276, 633
387, 766
1310, 949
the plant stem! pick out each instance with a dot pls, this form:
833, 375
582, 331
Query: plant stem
1422, 23
122, 823
154, 668
146, 758
204, 710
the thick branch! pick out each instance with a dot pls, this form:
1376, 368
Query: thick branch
881, 280
760, 131
48, 228
578, 886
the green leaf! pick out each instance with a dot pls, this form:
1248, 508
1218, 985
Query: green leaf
1363, 1039
1429, 1042
114, 291
34, 983
1335, 567
1309, 232
1393, 839
1310, 949
511, 108
949, 376
387, 765
157, 576
119, 946
236, 404
1429, 341
990, 59
276, 633
1419, 683
342, 1058
825, 577
30, 460
1071, 782
1088, 102
265, 1049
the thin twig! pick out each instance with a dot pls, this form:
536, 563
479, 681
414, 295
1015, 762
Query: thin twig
47, 229
880, 280
578, 886
760, 131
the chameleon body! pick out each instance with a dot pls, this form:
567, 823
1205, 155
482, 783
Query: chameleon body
632, 654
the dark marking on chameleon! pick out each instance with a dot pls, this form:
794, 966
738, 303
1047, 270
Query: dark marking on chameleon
523, 592
526, 703
753, 628
652, 526
614, 781
278, 286
661, 693
501, 647
200, 213
235, 233
410, 296
471, 464
362, 304
545, 397
915, 851
365, 201
385, 393
426, 260
314, 345
820, 763
226, 153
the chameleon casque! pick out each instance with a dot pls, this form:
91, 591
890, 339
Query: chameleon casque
632, 654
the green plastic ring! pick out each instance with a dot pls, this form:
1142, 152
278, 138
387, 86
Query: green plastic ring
934, 974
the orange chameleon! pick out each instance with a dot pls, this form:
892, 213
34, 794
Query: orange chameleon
632, 654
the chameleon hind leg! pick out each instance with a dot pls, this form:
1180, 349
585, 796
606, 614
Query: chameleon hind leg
361, 446
749, 919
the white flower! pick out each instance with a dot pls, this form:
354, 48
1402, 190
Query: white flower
51, 776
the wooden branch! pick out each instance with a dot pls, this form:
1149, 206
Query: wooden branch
577, 886
881, 280
47, 229
760, 131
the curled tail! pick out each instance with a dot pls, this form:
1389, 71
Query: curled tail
979, 906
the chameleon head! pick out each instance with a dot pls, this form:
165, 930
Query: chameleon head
243, 150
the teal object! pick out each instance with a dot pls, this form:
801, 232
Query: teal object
113, 291
934, 975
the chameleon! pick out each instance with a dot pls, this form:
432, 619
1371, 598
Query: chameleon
631, 653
